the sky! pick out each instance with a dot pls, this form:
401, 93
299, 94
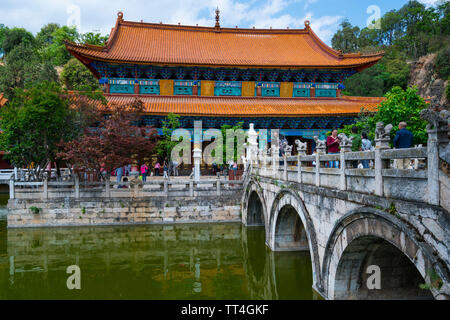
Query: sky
100, 15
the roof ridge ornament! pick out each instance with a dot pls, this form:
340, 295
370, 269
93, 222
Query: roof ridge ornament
120, 16
307, 24
217, 18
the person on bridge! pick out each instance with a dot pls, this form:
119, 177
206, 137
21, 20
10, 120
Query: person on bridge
366, 145
119, 174
333, 147
403, 139
144, 172
356, 144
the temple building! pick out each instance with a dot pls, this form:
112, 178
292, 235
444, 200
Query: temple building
275, 78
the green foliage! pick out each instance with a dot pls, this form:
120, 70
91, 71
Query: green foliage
442, 63
33, 124
24, 67
35, 210
76, 76
447, 91
400, 105
93, 38
2, 37
435, 281
83, 210
224, 129
45, 36
165, 145
14, 37
408, 33
56, 52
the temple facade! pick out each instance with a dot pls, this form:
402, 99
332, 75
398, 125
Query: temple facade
275, 78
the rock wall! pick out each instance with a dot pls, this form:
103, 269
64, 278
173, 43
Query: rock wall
427, 81
104, 211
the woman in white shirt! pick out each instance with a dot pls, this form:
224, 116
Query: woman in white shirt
366, 145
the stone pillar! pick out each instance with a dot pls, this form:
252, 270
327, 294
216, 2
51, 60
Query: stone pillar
318, 169
299, 169
77, 186
433, 166
342, 179
45, 193
191, 188
218, 186
380, 145
16, 174
252, 145
166, 187
107, 187
197, 158
284, 168
11, 189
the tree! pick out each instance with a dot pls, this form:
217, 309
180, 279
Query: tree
2, 37
400, 105
45, 36
346, 38
24, 67
76, 76
115, 142
33, 124
14, 37
56, 52
165, 144
93, 38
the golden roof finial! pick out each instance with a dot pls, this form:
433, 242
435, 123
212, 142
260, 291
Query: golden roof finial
217, 18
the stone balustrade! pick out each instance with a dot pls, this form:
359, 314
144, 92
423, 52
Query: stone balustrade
130, 189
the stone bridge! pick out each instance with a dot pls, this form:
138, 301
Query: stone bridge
349, 219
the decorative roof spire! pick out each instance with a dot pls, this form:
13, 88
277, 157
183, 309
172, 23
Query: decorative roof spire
120, 15
217, 18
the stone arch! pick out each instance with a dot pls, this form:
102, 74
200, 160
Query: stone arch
252, 202
285, 203
367, 236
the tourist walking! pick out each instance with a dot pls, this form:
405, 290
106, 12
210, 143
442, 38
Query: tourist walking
157, 166
403, 139
175, 168
235, 167
356, 144
119, 174
144, 172
333, 147
366, 145
165, 170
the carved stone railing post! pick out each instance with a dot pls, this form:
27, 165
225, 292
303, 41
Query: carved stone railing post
191, 187
218, 186
284, 168
11, 189
437, 140
318, 169
197, 157
382, 138
301, 150
342, 179
166, 187
299, 169
252, 145
45, 193
107, 188
77, 187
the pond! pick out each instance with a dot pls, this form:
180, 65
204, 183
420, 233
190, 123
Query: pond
182, 261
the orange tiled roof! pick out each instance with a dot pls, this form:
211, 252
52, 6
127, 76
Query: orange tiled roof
3, 100
249, 106
151, 43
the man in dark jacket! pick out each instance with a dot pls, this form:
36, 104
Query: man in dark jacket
403, 139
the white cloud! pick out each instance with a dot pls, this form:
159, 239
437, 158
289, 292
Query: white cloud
100, 15
429, 2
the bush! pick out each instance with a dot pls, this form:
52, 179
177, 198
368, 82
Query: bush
442, 63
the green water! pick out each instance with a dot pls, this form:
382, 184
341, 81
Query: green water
201, 261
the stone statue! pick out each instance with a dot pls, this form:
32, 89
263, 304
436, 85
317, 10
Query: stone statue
345, 141
382, 132
319, 143
288, 150
301, 146
437, 120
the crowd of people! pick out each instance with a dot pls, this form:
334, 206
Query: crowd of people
361, 142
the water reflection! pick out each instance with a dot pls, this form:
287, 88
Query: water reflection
206, 261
